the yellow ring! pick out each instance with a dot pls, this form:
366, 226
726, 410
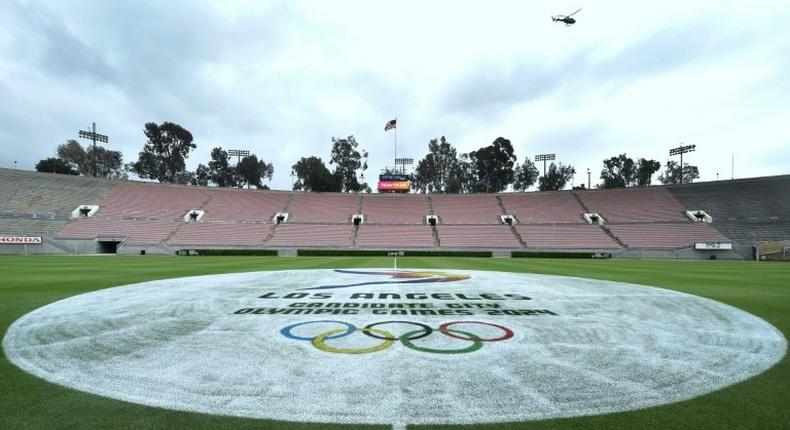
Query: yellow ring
318, 342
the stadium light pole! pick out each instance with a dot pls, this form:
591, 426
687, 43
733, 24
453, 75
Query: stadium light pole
92, 135
238, 153
681, 150
588, 178
543, 158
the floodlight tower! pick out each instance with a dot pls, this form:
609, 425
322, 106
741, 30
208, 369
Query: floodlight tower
543, 158
238, 153
92, 135
681, 150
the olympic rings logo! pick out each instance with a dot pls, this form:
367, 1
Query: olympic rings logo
374, 330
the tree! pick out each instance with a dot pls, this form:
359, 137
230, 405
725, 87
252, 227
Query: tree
202, 176
525, 176
645, 170
618, 172
55, 165
251, 171
439, 171
313, 175
557, 177
348, 160
492, 166
672, 174
74, 155
220, 171
109, 164
164, 154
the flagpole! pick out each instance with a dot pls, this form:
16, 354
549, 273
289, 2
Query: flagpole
395, 165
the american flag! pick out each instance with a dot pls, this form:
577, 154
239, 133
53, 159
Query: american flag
390, 125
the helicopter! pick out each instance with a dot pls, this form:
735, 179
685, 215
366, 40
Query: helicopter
565, 18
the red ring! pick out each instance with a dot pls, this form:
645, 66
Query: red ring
508, 332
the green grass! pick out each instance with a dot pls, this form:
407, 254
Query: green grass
27, 283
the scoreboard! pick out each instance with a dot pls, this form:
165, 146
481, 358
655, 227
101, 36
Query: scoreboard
394, 183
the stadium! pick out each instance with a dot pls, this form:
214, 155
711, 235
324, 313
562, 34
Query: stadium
249, 309
310, 215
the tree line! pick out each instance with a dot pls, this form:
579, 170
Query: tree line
489, 169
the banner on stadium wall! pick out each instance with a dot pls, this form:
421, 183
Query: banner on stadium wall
394, 185
20, 240
712, 245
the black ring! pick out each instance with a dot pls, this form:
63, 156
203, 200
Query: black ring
427, 330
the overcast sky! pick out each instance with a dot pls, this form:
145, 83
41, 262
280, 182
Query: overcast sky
282, 78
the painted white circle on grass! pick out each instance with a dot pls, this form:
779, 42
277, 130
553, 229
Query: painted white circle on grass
383, 347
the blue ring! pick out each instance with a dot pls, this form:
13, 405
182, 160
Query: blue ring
286, 331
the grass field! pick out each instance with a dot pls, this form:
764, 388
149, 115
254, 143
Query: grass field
27, 283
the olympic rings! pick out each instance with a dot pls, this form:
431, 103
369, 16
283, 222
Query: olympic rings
426, 329
508, 332
286, 331
478, 343
318, 342
407, 339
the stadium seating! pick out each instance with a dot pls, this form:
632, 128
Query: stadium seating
466, 209
134, 232
665, 235
244, 205
395, 209
634, 204
151, 201
219, 234
312, 235
746, 210
322, 208
548, 207
48, 193
477, 236
406, 236
559, 236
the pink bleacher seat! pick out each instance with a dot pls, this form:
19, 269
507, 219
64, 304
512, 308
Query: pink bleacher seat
543, 207
484, 236
326, 208
395, 209
311, 235
665, 235
582, 236
206, 233
466, 209
151, 201
402, 236
634, 204
244, 205
137, 232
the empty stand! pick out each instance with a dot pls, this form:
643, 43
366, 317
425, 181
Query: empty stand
466, 209
665, 235
746, 210
31, 192
395, 209
566, 236
322, 208
402, 236
482, 236
31, 226
220, 234
544, 207
151, 201
244, 205
312, 235
137, 232
634, 204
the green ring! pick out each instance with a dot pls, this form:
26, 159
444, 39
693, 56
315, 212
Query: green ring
477, 343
